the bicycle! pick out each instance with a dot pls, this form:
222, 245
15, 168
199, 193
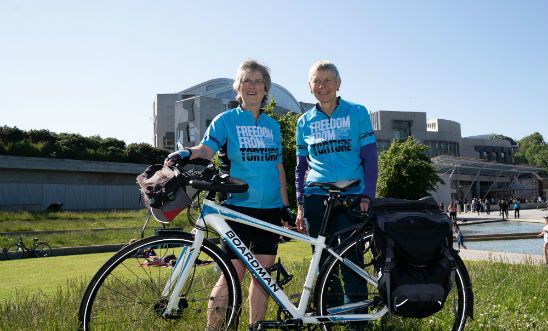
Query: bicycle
17, 251
124, 294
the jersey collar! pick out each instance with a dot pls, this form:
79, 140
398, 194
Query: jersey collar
318, 108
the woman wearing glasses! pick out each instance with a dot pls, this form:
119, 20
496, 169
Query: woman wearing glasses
335, 142
252, 143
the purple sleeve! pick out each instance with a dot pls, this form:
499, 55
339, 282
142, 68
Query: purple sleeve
300, 174
368, 154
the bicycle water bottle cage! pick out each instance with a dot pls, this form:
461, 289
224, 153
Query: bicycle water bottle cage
340, 186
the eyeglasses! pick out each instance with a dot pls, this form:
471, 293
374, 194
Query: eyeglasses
324, 82
254, 82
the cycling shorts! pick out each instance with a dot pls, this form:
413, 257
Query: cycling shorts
258, 241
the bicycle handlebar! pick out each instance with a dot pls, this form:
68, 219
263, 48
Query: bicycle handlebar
210, 180
230, 185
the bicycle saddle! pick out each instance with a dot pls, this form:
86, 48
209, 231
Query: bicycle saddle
343, 185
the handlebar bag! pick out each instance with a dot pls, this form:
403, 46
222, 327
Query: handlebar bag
163, 191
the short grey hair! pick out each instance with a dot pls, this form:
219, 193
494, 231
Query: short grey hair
323, 65
247, 66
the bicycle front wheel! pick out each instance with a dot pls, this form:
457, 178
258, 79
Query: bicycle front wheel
126, 293
42, 250
15, 252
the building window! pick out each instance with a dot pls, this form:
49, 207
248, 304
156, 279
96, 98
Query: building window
169, 140
401, 129
441, 148
227, 95
192, 133
382, 145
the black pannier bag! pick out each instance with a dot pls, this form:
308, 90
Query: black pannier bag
413, 244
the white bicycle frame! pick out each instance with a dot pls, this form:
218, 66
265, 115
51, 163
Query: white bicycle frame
214, 216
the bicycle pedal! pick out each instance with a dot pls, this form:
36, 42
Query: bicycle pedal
285, 325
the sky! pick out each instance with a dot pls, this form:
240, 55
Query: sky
94, 67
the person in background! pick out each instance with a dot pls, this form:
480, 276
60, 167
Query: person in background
477, 206
238, 131
544, 233
458, 235
505, 207
517, 207
335, 142
452, 211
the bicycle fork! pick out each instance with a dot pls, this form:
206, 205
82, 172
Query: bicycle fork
180, 274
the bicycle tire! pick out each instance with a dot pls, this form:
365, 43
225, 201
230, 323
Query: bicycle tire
15, 252
126, 292
42, 250
458, 306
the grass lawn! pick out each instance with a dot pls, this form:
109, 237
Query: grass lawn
122, 226
44, 294
46, 275
47, 292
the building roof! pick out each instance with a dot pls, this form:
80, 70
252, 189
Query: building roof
470, 166
222, 88
52, 164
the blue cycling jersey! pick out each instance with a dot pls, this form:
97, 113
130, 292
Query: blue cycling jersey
254, 150
332, 144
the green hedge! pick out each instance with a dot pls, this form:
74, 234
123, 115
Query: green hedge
43, 143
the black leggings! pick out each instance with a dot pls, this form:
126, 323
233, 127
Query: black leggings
258, 241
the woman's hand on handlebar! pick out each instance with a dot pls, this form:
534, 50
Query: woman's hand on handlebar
180, 157
301, 227
364, 204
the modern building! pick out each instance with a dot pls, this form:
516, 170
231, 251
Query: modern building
470, 167
184, 116
476, 166
442, 136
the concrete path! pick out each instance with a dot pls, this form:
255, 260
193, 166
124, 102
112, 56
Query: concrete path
526, 215
476, 255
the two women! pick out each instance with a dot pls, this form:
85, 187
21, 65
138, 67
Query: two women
335, 142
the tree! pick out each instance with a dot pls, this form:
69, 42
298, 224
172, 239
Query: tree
533, 150
288, 126
406, 172
144, 153
11, 135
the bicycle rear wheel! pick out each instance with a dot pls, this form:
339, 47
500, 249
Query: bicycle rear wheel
42, 250
329, 292
126, 293
15, 252
338, 285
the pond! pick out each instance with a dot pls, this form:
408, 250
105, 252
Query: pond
524, 246
500, 227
